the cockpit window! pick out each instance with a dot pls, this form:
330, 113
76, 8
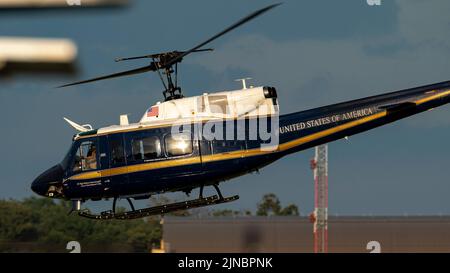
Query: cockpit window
85, 157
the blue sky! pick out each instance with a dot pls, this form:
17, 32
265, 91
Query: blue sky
316, 52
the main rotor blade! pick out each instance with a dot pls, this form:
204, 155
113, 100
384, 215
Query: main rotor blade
230, 28
157, 55
150, 67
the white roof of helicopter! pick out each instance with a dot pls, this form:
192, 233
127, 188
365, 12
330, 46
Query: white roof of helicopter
209, 106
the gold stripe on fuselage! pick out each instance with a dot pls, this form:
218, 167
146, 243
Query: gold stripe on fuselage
242, 153
433, 97
327, 132
222, 156
138, 168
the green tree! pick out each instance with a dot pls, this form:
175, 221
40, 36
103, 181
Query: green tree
270, 205
290, 209
44, 223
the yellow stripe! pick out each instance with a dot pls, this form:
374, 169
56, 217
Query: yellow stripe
159, 164
87, 175
324, 133
236, 154
303, 140
137, 168
433, 97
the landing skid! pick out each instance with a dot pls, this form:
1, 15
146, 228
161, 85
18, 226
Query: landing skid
157, 210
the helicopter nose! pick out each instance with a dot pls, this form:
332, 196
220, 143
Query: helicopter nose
43, 182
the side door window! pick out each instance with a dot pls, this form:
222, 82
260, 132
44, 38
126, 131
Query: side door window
145, 148
86, 157
178, 144
117, 174
116, 150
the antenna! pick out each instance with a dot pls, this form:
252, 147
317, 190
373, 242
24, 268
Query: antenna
244, 82
78, 127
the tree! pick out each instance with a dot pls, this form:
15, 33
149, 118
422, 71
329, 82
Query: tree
270, 205
290, 209
44, 225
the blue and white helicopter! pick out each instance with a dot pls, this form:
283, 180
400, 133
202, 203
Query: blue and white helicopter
186, 143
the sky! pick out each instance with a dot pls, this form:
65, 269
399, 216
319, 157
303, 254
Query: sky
316, 52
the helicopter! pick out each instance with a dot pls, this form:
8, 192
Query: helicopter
185, 143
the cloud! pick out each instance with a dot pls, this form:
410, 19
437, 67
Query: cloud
313, 72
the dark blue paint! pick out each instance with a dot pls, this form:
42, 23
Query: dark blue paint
398, 105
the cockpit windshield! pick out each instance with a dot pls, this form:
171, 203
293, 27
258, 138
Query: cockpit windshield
82, 156
85, 157
67, 158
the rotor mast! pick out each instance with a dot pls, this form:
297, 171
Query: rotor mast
163, 63
172, 90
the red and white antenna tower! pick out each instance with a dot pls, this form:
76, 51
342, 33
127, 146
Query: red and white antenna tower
320, 215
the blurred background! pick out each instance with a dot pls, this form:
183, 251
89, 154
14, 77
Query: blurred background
315, 52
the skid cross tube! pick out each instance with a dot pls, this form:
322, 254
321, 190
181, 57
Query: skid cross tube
157, 210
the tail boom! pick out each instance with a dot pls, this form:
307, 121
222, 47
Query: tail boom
302, 130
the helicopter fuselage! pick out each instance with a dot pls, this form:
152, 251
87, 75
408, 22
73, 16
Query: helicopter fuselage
143, 161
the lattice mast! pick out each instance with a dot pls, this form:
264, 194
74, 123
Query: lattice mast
319, 165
